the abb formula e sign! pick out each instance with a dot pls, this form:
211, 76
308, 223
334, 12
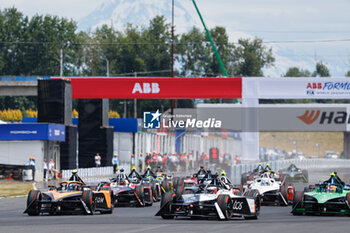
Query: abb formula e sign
156, 88
297, 88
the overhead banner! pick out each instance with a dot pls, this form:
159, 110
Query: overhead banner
156, 88
279, 117
298, 88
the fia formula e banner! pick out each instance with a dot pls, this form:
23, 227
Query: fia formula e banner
156, 88
299, 88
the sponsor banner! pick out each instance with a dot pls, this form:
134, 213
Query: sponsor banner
156, 88
286, 117
298, 88
35, 132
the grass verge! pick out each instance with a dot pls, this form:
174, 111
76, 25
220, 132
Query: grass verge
14, 188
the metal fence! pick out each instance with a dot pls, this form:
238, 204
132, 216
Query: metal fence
239, 169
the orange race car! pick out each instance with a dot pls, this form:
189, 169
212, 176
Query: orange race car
70, 197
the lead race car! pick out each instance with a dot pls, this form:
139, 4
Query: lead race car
211, 200
70, 197
272, 191
128, 191
330, 197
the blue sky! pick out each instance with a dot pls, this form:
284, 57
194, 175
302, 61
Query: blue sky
271, 20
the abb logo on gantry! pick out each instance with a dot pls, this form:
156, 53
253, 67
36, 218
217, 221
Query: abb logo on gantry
314, 86
146, 88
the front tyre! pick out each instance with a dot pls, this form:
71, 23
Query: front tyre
87, 199
166, 199
298, 202
33, 203
224, 202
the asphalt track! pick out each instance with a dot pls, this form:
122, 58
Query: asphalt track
272, 219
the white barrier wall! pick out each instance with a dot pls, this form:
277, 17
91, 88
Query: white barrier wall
123, 146
18, 153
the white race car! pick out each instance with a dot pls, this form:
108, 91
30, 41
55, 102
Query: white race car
210, 200
272, 191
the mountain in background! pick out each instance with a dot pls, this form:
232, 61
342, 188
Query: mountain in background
139, 12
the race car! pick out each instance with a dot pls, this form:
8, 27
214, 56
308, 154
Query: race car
128, 192
155, 186
273, 192
294, 174
70, 197
329, 197
214, 200
166, 183
249, 176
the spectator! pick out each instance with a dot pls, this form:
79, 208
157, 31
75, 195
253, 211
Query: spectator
132, 161
191, 160
31, 162
52, 169
115, 163
97, 160
147, 160
165, 161
45, 169
154, 160
140, 162
159, 160
183, 161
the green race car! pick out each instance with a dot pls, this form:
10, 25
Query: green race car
329, 197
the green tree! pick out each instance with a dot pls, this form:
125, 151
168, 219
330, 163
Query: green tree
321, 70
347, 74
197, 56
251, 56
296, 72
191, 53
225, 49
157, 47
32, 47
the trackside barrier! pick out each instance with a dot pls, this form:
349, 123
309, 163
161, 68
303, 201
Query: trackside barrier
89, 172
236, 172
239, 169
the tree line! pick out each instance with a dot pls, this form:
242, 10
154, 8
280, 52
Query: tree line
33, 47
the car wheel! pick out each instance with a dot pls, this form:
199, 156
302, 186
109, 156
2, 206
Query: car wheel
34, 196
298, 201
179, 191
140, 195
167, 198
284, 192
224, 202
87, 199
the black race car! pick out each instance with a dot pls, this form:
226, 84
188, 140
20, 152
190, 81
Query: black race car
294, 174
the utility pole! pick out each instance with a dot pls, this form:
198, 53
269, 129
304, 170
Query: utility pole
124, 113
61, 62
173, 102
135, 101
107, 63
